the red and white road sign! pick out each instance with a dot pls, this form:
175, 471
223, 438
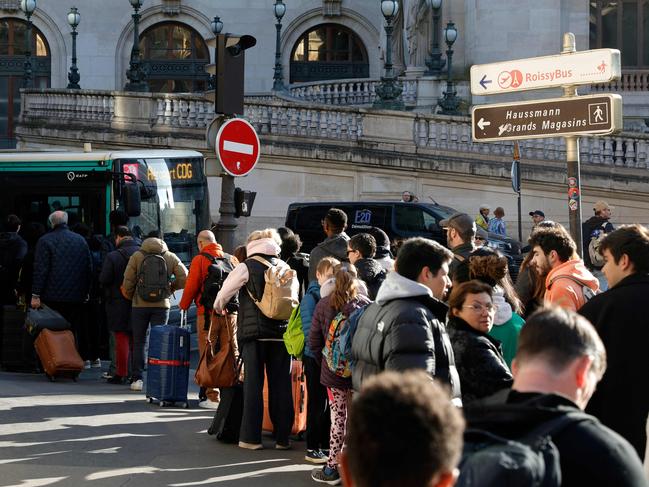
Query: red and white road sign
237, 146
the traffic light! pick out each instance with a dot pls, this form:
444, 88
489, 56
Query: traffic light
230, 67
243, 201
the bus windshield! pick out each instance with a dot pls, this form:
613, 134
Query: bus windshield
174, 201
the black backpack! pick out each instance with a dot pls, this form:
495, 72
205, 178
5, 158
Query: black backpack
153, 283
217, 271
531, 460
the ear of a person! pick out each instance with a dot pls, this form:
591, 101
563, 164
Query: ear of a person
582, 368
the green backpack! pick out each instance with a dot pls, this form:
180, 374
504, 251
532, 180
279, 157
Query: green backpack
294, 336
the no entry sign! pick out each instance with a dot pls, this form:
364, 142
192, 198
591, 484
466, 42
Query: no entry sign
237, 146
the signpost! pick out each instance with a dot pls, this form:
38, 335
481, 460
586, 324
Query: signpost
516, 185
574, 68
569, 117
581, 115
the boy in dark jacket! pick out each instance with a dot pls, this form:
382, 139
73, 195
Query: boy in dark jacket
361, 250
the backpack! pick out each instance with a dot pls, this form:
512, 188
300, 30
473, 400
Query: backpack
217, 271
332, 352
294, 335
585, 290
492, 460
346, 335
281, 289
596, 237
153, 283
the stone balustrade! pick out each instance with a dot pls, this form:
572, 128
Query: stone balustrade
271, 116
631, 80
348, 91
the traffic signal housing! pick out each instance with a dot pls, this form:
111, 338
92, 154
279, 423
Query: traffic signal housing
230, 71
243, 201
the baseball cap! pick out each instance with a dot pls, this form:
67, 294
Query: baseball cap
601, 205
537, 212
462, 222
485, 207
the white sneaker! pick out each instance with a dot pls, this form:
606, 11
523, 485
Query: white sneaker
208, 404
86, 364
137, 385
96, 364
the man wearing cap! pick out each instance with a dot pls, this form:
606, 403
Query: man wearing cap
592, 228
460, 238
537, 217
482, 220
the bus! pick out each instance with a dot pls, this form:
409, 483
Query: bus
160, 190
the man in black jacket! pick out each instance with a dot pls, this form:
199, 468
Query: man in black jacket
460, 238
335, 245
362, 248
592, 228
405, 327
559, 361
621, 400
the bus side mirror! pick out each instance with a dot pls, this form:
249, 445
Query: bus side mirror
132, 199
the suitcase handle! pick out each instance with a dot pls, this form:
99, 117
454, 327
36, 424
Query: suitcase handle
183, 320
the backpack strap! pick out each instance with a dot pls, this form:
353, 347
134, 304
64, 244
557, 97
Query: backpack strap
565, 276
261, 260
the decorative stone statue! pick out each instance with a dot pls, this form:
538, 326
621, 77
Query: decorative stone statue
416, 27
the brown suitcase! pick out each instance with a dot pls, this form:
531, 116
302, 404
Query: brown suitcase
298, 386
58, 354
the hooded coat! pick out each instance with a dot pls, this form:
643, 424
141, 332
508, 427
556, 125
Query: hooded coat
335, 246
564, 291
404, 329
175, 268
589, 229
307, 307
372, 273
507, 326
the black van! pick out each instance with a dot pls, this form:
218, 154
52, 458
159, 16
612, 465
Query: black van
399, 220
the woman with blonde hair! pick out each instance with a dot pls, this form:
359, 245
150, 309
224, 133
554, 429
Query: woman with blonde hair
260, 343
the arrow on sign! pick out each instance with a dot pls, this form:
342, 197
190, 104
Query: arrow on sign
484, 81
482, 123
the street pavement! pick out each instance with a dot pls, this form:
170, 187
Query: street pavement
98, 434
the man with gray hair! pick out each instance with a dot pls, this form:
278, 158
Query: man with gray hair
62, 274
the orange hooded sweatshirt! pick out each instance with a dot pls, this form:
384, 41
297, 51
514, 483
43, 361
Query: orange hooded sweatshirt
564, 291
197, 274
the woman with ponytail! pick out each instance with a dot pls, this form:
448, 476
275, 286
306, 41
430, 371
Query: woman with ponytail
347, 297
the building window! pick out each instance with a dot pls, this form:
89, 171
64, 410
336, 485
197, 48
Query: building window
174, 56
13, 33
622, 25
328, 51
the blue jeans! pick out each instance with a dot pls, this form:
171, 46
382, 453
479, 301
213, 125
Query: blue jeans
140, 320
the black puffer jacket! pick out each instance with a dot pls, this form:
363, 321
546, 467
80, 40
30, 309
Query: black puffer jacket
372, 273
589, 229
480, 361
404, 329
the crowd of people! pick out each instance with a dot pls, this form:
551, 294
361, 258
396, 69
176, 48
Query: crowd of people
410, 352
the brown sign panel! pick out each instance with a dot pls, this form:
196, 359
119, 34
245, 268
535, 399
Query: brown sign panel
582, 115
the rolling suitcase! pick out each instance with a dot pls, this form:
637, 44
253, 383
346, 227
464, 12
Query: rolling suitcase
58, 353
45, 318
167, 377
17, 353
227, 419
298, 386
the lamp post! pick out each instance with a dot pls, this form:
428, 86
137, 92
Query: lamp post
389, 89
74, 17
435, 62
449, 103
135, 73
28, 7
278, 78
217, 27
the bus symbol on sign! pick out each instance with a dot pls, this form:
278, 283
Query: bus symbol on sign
363, 217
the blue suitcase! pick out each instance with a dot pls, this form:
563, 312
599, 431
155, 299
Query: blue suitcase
168, 365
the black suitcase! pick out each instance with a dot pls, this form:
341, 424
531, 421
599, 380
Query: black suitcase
17, 352
45, 318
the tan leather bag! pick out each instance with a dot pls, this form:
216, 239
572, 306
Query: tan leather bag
217, 365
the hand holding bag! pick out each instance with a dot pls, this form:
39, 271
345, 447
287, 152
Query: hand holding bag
217, 365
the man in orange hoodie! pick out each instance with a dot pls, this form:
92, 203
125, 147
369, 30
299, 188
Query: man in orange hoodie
568, 284
198, 271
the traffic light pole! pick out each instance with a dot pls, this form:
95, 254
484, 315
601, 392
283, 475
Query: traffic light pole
227, 224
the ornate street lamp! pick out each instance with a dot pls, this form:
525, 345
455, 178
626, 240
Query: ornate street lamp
74, 17
450, 102
389, 89
278, 78
135, 73
435, 62
217, 27
28, 7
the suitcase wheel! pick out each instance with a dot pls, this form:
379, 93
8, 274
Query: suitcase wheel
163, 404
185, 405
149, 400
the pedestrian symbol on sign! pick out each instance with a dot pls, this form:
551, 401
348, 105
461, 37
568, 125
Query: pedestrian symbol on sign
597, 113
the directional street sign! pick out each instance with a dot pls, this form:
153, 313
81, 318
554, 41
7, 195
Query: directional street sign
578, 68
237, 146
582, 115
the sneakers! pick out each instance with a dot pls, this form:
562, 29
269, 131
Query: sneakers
326, 475
137, 385
96, 364
87, 364
251, 446
315, 456
208, 404
106, 375
278, 446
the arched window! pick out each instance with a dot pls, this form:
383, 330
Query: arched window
174, 56
622, 25
13, 33
328, 51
